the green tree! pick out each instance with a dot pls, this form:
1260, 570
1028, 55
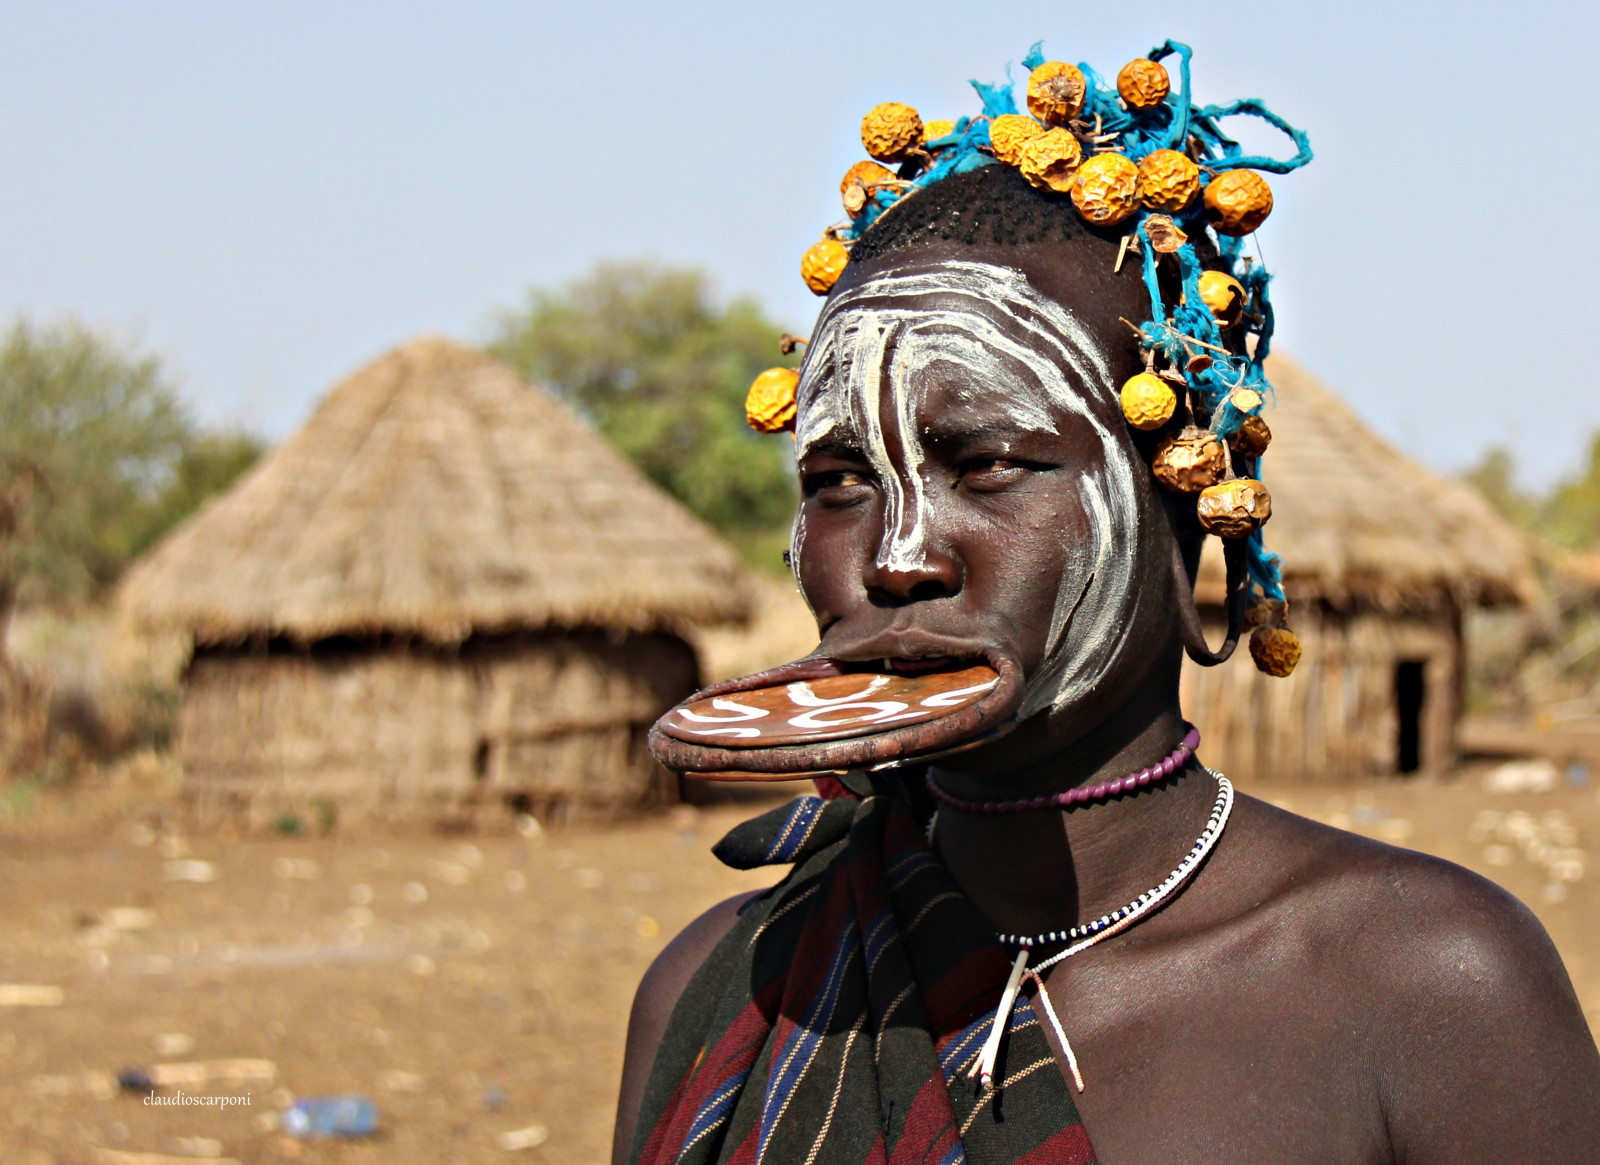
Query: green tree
662, 370
209, 464
1494, 476
98, 458
1571, 516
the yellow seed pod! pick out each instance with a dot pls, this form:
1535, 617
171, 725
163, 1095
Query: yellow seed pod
769, 405
822, 265
891, 130
932, 131
1237, 202
1009, 132
1252, 437
1190, 462
855, 188
864, 174
1148, 401
1234, 508
1276, 650
1143, 83
1168, 181
1055, 92
1224, 295
1106, 189
1246, 400
1050, 160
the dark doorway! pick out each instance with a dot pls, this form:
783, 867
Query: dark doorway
1410, 694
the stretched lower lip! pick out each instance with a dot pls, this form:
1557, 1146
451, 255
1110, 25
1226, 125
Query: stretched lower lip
900, 665
918, 666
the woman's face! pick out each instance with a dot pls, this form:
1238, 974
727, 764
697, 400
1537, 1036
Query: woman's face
969, 486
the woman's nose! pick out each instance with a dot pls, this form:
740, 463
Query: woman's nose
896, 582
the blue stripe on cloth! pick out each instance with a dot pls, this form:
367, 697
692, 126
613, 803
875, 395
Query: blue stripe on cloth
790, 1063
900, 871
956, 1156
802, 817
974, 1034
715, 1110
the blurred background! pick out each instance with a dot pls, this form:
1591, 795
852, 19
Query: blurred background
373, 472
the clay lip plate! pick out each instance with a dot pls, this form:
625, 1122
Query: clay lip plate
829, 708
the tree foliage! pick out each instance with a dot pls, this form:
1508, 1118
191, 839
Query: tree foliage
662, 370
98, 459
1567, 516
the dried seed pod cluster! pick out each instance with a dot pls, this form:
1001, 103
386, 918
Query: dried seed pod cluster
1145, 164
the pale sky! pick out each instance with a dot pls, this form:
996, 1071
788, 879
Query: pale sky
270, 195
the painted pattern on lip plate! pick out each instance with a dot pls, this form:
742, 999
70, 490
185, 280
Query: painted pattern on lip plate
830, 708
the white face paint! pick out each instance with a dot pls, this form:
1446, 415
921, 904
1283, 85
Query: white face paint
883, 345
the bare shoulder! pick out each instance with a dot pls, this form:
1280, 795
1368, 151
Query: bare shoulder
1446, 979
659, 991
1378, 899
669, 974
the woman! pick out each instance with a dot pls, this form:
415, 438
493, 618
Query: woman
1026, 924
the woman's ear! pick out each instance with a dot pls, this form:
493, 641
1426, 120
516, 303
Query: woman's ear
1188, 540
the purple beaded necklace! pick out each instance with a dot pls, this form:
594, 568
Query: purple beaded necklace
1105, 789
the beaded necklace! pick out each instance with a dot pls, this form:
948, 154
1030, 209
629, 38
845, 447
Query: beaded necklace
1093, 932
1099, 792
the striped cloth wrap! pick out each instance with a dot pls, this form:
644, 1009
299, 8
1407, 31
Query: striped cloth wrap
836, 1022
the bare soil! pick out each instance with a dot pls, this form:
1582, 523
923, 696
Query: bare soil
472, 986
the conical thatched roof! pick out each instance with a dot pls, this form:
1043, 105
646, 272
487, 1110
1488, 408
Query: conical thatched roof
434, 493
1356, 520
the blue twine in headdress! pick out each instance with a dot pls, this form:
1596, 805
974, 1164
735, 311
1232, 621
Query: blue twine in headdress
1174, 124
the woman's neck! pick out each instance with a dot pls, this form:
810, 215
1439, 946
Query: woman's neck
1045, 870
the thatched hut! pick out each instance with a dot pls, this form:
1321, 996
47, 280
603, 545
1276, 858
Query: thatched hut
1382, 559
445, 592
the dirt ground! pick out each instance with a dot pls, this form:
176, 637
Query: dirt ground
476, 988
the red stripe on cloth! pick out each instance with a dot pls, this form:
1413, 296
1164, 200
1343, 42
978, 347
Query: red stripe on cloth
734, 1052
1068, 1147
970, 988
832, 788
930, 1129
745, 1154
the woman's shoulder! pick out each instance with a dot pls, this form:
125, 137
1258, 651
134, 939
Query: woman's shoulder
1410, 941
1365, 891
659, 991
1443, 976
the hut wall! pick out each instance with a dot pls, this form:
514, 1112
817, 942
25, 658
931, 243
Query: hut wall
1337, 717
549, 723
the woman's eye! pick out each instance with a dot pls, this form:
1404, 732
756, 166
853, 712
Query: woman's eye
990, 472
833, 480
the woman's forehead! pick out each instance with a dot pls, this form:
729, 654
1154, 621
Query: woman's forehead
978, 336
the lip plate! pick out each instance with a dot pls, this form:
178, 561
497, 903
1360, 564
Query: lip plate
993, 711
829, 708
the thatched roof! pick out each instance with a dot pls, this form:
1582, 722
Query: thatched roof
435, 494
1355, 520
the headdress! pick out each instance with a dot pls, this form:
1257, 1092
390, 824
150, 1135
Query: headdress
1144, 157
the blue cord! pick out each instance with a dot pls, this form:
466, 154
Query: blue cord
1175, 124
